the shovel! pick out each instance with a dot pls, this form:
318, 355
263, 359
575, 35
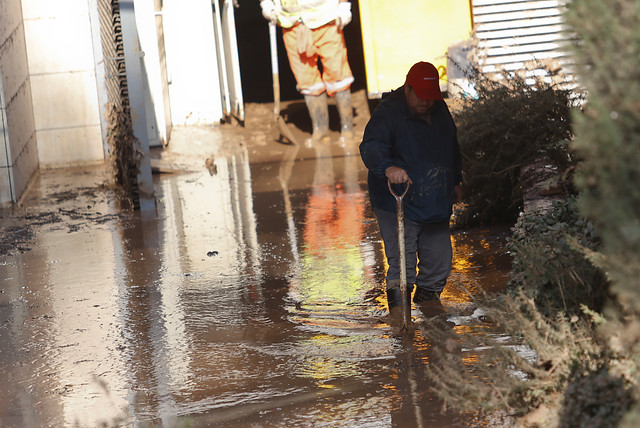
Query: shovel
282, 126
404, 303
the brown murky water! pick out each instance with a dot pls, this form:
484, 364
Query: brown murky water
251, 297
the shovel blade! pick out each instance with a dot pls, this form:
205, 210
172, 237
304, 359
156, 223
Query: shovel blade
405, 310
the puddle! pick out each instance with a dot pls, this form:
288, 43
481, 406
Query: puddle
252, 296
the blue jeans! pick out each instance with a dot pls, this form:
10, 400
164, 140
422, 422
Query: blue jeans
428, 251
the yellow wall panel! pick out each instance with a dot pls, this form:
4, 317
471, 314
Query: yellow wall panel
396, 34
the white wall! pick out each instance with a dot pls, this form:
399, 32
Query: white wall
192, 63
18, 148
50, 109
63, 82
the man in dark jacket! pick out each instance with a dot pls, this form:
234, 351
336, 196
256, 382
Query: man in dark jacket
411, 138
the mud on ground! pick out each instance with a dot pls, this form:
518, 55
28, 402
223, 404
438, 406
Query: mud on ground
70, 198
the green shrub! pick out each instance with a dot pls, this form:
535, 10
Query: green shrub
491, 376
608, 142
513, 123
595, 398
608, 134
550, 252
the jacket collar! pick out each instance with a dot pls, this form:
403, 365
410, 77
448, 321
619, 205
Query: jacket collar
406, 112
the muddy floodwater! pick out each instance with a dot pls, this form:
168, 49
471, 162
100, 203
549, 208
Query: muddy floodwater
251, 296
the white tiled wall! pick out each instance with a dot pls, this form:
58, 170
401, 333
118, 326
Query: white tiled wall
25, 166
4, 140
19, 120
23, 139
38, 9
64, 100
10, 18
5, 186
19, 159
5, 183
15, 69
63, 82
57, 140
64, 44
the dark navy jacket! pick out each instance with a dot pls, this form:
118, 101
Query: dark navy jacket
429, 153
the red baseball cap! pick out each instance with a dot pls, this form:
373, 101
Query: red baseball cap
423, 77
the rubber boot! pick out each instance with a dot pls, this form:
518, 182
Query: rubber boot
345, 110
424, 295
430, 305
393, 296
396, 312
319, 113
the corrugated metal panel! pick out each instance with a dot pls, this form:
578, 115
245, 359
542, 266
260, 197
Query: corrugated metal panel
121, 140
113, 49
513, 32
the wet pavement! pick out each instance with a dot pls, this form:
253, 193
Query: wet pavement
251, 296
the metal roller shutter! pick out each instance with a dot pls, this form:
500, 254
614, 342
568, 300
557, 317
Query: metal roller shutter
123, 151
513, 32
113, 49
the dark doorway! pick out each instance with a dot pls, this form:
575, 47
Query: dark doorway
255, 61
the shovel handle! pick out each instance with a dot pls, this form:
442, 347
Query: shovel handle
275, 74
404, 304
395, 195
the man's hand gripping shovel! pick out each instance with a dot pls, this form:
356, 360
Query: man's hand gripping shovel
405, 310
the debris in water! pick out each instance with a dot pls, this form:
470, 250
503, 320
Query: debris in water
211, 166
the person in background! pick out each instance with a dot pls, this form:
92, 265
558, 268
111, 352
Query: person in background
411, 139
312, 31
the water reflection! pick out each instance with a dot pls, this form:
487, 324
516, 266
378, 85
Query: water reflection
333, 269
479, 264
253, 296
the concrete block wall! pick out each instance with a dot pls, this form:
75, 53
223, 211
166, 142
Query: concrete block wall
63, 82
18, 147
